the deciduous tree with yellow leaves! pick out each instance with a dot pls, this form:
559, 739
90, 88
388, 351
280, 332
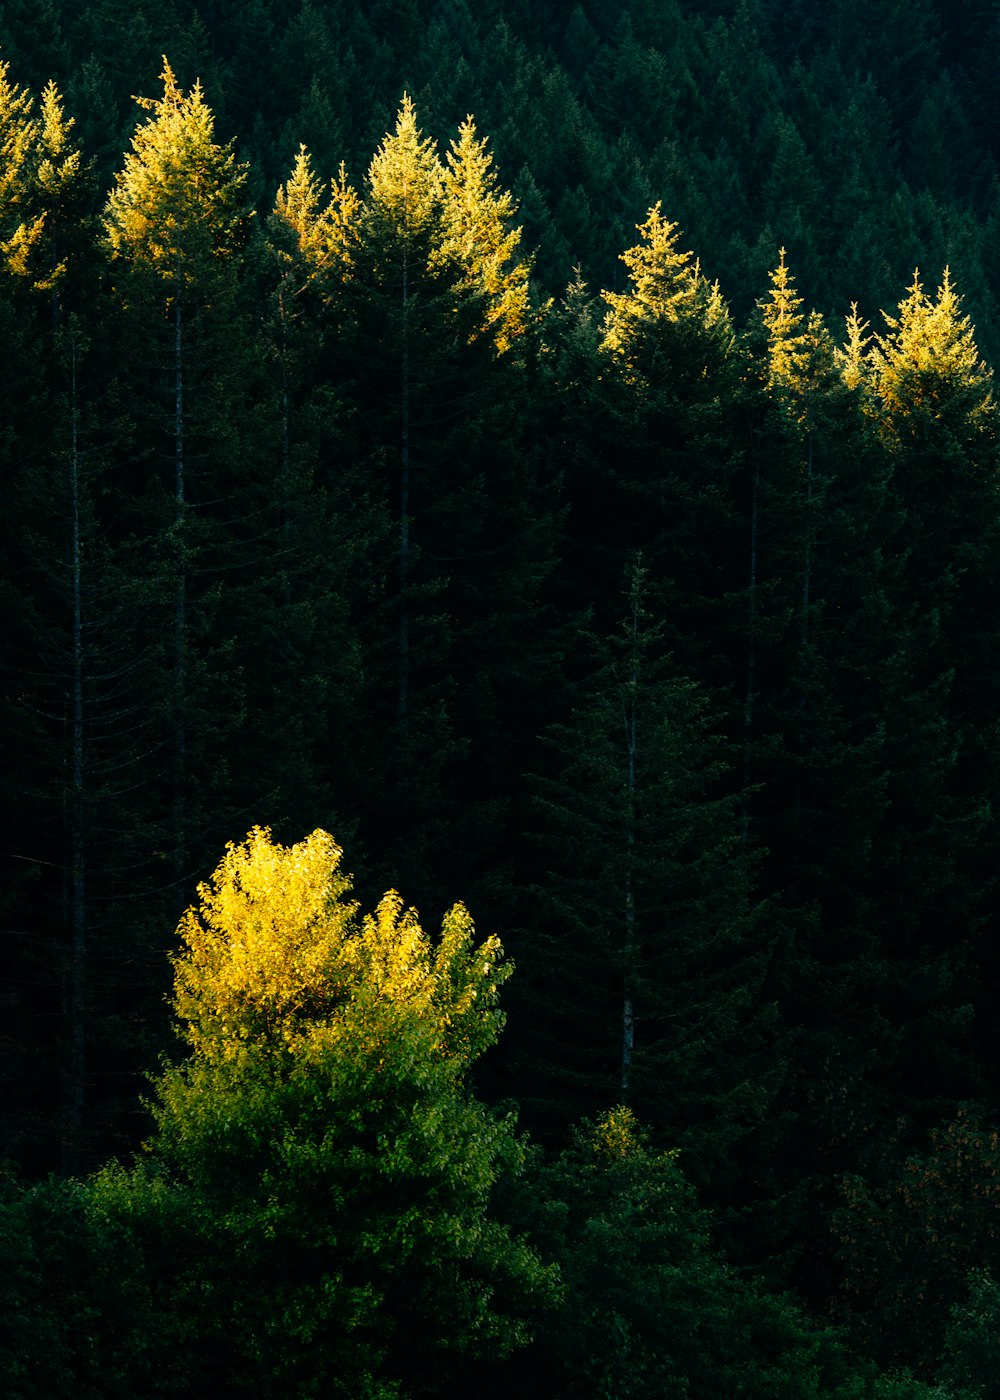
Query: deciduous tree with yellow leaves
341, 1171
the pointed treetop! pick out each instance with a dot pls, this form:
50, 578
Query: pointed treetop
20, 225
481, 237
179, 198
61, 165
39, 169
406, 179
852, 357
450, 221
17, 138
783, 319
302, 227
929, 355
667, 286
800, 351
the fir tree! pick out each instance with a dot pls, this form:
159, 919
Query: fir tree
174, 223
650, 948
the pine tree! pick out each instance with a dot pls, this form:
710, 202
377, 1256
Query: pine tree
20, 224
403, 222
934, 407
871, 808
67, 652
328, 534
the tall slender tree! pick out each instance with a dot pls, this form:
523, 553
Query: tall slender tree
174, 223
671, 457
647, 962
433, 317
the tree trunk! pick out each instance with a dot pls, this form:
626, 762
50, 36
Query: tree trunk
180, 618
76, 992
629, 719
748, 702
404, 511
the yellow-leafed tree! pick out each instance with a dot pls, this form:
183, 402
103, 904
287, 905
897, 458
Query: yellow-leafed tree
323, 1121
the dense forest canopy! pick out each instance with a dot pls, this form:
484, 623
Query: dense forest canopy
556, 451
866, 148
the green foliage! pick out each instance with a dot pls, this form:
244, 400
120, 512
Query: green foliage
40, 181
481, 238
820, 530
907, 1246
649, 950
179, 198
927, 361
322, 1121
971, 1361
318, 239
650, 1310
80, 1317
667, 289
276, 960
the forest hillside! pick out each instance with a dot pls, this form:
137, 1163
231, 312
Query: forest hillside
555, 451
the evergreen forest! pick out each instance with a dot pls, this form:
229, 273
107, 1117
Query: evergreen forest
537, 465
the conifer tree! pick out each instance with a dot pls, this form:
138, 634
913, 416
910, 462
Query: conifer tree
820, 629
403, 224
434, 295
67, 652
871, 813
670, 395
20, 224
481, 237
934, 407
329, 534
174, 224
645, 967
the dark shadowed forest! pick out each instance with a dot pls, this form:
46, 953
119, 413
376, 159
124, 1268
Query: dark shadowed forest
544, 461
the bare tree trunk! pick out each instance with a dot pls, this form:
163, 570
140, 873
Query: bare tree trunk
180, 616
807, 560
404, 510
630, 720
77, 993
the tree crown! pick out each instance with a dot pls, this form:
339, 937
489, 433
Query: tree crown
276, 957
179, 198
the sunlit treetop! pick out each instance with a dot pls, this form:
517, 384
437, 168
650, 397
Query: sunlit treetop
801, 357
618, 1134
928, 360
61, 164
449, 221
309, 228
666, 288
785, 323
18, 135
405, 185
481, 235
277, 957
179, 199
852, 356
40, 170
324, 1113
